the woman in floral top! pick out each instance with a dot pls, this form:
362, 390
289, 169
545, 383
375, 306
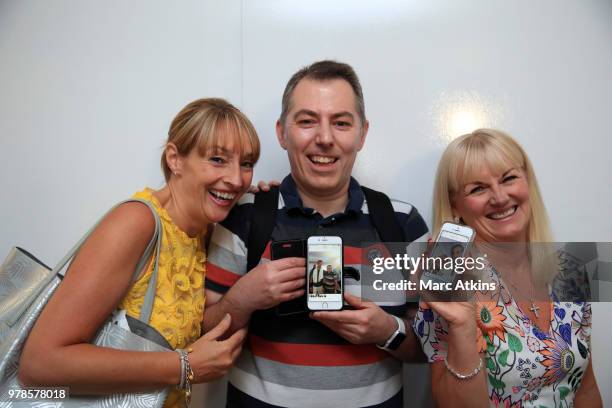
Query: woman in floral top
516, 345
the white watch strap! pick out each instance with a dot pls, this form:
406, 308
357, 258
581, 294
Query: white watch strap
401, 328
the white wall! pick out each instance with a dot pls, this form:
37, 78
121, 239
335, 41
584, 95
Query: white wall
88, 89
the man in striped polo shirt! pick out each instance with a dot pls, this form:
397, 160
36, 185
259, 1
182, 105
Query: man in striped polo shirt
326, 359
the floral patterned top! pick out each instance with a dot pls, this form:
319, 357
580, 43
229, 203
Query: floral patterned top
526, 367
178, 308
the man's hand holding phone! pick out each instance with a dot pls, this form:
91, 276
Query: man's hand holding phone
367, 323
269, 284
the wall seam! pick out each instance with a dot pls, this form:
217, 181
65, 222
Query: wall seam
242, 54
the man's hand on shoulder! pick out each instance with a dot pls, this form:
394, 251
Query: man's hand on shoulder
264, 186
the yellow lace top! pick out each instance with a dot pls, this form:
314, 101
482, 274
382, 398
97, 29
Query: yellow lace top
178, 308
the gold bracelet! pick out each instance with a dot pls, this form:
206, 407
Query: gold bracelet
187, 375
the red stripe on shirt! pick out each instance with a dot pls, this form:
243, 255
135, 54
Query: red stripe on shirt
266, 253
352, 255
220, 275
316, 354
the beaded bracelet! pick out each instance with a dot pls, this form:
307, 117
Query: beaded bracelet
464, 376
187, 375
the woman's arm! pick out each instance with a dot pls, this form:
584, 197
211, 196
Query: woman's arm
588, 393
463, 357
58, 352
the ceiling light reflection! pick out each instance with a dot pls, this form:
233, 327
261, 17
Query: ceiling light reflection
457, 113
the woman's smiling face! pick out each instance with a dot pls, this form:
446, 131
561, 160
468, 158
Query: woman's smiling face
210, 184
495, 204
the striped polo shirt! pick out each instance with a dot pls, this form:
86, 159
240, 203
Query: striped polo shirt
296, 361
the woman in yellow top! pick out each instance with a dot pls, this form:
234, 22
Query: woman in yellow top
208, 164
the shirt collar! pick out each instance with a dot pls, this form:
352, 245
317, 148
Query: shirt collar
292, 199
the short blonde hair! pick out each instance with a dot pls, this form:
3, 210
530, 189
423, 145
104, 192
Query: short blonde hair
465, 156
203, 123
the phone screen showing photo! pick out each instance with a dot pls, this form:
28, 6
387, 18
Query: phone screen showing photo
445, 255
324, 272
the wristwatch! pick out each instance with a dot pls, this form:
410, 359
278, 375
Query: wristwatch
398, 336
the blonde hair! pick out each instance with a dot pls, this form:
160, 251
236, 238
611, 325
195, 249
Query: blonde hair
204, 123
464, 157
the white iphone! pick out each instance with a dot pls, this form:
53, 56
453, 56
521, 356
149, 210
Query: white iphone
450, 247
324, 286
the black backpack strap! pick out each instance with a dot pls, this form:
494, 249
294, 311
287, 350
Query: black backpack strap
263, 219
382, 215
384, 220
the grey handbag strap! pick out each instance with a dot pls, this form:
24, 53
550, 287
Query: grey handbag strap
154, 243
147, 305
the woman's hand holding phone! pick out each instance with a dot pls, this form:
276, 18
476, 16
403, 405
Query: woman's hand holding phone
460, 316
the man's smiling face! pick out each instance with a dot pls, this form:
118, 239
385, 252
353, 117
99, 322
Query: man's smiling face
322, 135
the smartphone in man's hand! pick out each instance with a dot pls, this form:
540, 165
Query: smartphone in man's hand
290, 249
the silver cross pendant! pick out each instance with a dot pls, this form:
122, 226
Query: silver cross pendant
534, 309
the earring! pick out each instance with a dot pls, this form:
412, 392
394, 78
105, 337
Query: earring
457, 219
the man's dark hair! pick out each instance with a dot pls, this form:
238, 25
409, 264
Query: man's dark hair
324, 71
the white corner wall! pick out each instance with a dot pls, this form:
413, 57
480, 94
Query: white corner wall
88, 90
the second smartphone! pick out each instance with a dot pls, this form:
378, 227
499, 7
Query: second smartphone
288, 249
452, 242
324, 263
